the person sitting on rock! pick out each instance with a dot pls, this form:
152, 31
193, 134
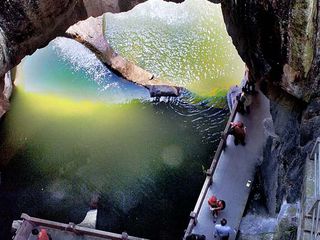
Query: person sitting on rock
238, 130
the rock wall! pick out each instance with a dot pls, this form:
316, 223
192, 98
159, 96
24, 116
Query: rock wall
279, 41
26, 25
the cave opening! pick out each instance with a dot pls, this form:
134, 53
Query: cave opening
76, 129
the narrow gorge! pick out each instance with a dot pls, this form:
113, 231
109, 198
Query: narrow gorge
277, 40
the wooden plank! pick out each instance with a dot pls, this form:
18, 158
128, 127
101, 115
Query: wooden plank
24, 231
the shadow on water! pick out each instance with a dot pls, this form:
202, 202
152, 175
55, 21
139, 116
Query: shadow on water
169, 195
152, 199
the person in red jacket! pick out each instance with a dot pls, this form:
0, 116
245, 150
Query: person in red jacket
216, 205
42, 235
238, 130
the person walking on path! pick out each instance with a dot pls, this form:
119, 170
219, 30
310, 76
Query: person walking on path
244, 102
238, 130
223, 231
250, 85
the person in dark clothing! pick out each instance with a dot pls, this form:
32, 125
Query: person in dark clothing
195, 237
250, 87
238, 130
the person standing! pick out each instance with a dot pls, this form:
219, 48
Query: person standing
246, 100
238, 130
222, 230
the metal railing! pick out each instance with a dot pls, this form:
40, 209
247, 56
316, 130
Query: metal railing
208, 181
30, 223
315, 207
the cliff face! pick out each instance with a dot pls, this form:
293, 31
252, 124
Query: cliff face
29, 25
26, 25
279, 41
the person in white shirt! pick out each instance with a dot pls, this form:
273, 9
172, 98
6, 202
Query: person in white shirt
223, 231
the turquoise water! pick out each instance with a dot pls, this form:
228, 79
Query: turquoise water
76, 130
71, 70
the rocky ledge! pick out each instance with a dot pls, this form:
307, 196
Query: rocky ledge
90, 33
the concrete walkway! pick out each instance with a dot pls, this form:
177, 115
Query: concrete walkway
236, 166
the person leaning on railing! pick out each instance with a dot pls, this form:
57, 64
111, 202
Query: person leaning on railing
238, 130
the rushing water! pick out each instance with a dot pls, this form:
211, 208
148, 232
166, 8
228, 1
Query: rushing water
76, 130
185, 43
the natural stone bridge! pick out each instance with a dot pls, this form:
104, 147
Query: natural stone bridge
90, 34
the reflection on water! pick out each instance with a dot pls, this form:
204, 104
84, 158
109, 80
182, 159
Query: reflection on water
185, 43
73, 133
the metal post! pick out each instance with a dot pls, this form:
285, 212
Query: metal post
312, 226
318, 160
317, 222
315, 176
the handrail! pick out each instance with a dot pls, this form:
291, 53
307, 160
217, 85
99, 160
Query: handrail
71, 228
208, 181
314, 149
315, 207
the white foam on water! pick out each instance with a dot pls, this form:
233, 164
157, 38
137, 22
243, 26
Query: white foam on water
184, 43
82, 59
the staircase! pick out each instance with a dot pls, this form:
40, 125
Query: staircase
309, 225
